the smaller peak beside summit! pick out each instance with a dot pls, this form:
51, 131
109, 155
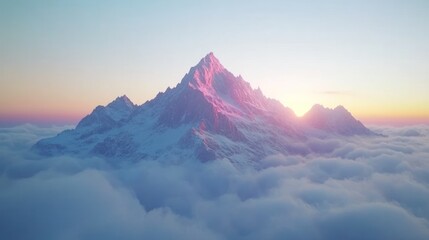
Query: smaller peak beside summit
107, 116
340, 108
319, 111
121, 102
318, 107
338, 120
124, 97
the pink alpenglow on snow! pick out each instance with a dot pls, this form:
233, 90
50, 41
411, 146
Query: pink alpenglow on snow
210, 114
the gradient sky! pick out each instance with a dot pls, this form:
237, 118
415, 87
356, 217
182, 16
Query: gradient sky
59, 59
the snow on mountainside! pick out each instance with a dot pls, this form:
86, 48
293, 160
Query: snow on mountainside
120, 109
210, 114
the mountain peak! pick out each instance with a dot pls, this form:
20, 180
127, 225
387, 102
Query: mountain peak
121, 102
209, 59
341, 108
317, 107
210, 114
123, 98
107, 116
210, 64
338, 120
205, 73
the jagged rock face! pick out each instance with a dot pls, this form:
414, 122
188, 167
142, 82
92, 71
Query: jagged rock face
228, 93
210, 114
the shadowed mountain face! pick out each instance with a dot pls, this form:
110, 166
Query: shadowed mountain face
210, 114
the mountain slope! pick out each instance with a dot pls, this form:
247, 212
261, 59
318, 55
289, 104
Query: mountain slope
337, 120
210, 114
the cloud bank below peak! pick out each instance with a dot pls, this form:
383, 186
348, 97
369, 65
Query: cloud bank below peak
363, 189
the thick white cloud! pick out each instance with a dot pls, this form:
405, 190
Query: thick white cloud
354, 188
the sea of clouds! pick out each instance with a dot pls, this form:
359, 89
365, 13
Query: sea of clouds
359, 188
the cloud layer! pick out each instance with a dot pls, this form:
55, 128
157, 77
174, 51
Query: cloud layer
359, 188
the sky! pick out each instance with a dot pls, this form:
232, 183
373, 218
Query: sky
60, 59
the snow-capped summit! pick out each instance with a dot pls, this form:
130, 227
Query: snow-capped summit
210, 62
204, 72
227, 92
218, 101
210, 114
